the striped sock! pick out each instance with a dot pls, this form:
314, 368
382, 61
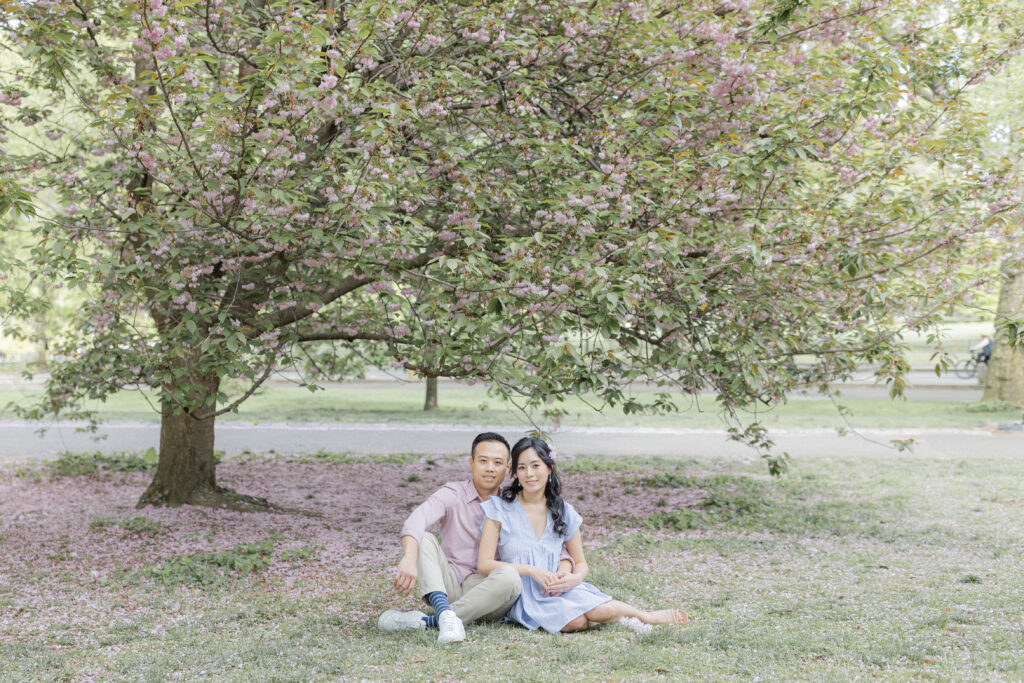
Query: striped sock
439, 601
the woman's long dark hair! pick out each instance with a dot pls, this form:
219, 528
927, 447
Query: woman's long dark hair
553, 489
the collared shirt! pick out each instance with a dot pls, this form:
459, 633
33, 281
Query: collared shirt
456, 505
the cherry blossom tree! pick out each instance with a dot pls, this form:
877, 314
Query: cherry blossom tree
557, 198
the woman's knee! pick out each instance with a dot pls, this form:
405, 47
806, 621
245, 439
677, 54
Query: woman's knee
577, 624
602, 613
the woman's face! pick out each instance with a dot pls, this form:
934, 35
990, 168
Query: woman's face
532, 472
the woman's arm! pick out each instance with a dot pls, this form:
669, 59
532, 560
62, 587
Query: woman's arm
565, 580
485, 562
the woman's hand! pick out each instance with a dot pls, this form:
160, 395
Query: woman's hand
562, 582
543, 577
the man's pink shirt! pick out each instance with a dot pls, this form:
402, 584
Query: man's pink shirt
456, 505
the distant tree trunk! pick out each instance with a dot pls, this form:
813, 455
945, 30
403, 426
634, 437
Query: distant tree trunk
1005, 378
43, 357
185, 473
431, 401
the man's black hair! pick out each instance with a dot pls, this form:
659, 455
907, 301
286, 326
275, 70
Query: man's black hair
488, 436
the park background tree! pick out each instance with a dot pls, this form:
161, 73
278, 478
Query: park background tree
1005, 377
1001, 100
555, 199
430, 396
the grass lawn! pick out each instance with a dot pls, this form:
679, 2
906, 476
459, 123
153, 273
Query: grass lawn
389, 402
896, 568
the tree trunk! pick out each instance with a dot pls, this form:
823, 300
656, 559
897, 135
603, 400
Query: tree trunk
1005, 378
43, 357
186, 469
431, 401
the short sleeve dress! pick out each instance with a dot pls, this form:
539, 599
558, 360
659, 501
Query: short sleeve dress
517, 544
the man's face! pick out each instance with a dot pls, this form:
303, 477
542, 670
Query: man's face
489, 464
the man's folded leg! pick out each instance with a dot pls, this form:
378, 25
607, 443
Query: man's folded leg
435, 574
488, 598
437, 585
395, 620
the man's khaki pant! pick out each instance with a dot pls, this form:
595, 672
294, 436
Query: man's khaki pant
479, 597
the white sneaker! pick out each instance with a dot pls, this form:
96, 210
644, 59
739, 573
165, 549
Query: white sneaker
394, 620
450, 628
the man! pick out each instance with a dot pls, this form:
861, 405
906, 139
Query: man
445, 573
982, 351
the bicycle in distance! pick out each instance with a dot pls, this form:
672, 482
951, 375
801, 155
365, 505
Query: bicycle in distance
977, 364
974, 366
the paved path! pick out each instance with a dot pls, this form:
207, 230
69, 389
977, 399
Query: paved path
19, 441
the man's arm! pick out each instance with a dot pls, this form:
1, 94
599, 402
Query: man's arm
405, 580
565, 561
566, 565
564, 583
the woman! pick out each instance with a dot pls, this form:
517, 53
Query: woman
527, 526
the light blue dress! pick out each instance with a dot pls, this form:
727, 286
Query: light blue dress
517, 544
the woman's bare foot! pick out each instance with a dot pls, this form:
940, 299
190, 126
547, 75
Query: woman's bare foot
665, 616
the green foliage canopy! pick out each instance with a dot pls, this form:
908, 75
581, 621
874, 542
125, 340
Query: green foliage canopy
558, 197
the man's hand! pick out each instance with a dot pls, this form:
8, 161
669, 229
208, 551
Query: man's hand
405, 580
562, 582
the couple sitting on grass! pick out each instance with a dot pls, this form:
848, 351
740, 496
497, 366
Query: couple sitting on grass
516, 555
